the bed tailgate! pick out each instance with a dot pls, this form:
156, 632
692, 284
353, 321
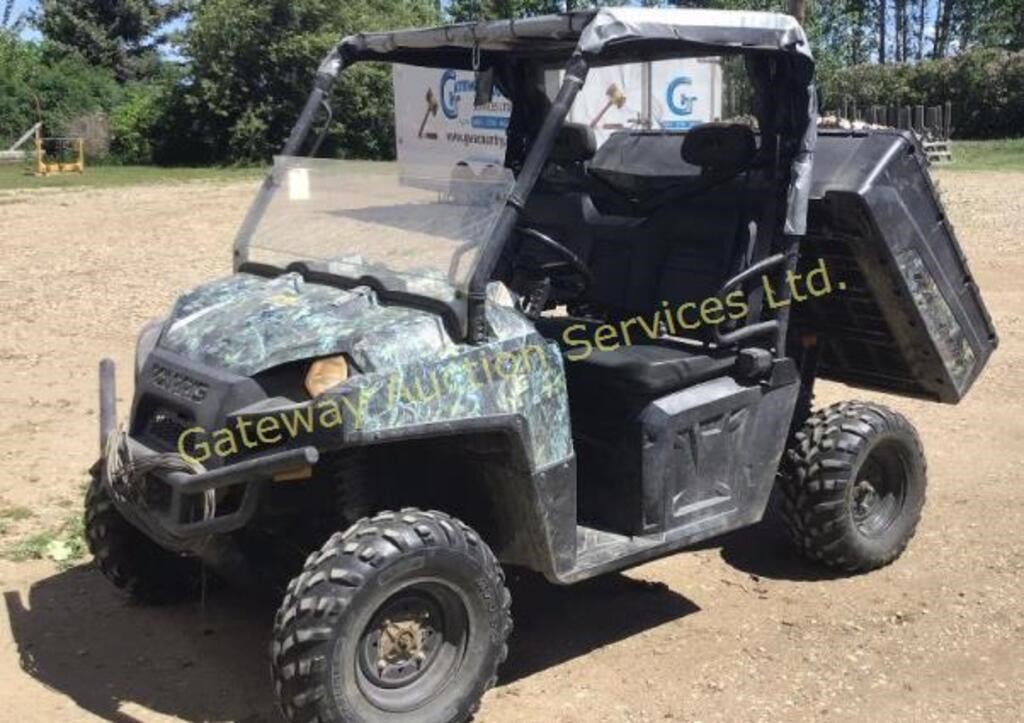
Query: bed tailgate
910, 319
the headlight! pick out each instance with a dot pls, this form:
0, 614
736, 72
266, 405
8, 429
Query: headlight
326, 373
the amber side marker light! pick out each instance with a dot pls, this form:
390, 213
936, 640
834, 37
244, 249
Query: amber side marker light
294, 475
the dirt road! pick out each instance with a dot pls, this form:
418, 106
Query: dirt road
737, 631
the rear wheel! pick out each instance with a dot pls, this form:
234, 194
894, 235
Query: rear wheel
402, 618
130, 560
853, 486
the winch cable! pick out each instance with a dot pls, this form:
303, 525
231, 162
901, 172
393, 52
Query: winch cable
127, 473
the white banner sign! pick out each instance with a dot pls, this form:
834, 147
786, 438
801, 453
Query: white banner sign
685, 93
612, 99
437, 124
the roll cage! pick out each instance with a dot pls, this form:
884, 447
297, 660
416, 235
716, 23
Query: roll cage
513, 54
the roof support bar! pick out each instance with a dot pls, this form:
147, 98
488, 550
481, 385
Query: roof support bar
575, 75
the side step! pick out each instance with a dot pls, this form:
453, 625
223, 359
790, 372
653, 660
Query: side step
599, 551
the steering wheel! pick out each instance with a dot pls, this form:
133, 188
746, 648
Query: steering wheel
568, 274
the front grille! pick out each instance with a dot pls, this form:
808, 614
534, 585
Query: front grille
166, 426
156, 493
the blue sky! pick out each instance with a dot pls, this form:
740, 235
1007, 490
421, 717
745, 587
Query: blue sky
23, 6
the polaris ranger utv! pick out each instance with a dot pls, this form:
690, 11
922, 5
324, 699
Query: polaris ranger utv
584, 360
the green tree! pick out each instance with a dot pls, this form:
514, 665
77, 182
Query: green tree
134, 122
1003, 25
463, 10
34, 88
251, 65
122, 35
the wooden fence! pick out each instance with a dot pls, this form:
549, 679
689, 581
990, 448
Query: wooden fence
933, 125
931, 122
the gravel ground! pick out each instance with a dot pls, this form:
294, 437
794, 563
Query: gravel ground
740, 630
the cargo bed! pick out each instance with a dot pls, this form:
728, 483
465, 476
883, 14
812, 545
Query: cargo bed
910, 319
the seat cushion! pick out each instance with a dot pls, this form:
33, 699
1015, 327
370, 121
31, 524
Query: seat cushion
639, 371
646, 370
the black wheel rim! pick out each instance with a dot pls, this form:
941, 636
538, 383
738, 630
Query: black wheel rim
413, 646
880, 489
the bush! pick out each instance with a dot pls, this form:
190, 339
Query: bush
60, 92
363, 104
251, 67
133, 123
985, 86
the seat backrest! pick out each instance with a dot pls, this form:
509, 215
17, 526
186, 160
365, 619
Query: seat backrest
638, 164
684, 249
679, 252
575, 143
558, 205
720, 148
566, 216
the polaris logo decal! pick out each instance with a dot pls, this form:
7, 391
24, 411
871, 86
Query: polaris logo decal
178, 384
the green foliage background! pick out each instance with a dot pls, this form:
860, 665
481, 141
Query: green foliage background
985, 86
120, 35
239, 70
34, 87
251, 69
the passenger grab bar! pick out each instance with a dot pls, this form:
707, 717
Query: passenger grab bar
759, 268
761, 328
751, 331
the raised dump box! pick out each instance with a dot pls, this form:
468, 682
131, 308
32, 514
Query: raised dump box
910, 319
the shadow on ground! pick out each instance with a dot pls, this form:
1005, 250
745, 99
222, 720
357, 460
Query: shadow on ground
555, 624
765, 550
76, 635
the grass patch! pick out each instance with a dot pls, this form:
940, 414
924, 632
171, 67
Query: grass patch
11, 514
1003, 155
16, 513
64, 545
14, 177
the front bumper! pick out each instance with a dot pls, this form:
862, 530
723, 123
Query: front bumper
176, 508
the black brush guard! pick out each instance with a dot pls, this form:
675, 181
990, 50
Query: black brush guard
166, 499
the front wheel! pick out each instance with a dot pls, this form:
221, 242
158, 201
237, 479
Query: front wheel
402, 618
853, 486
130, 560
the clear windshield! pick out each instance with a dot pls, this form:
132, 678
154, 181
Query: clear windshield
420, 231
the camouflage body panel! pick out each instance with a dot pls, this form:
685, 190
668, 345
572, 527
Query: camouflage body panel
245, 324
906, 316
410, 374
521, 377
946, 333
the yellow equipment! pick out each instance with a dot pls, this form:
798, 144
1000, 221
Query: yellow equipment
57, 162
